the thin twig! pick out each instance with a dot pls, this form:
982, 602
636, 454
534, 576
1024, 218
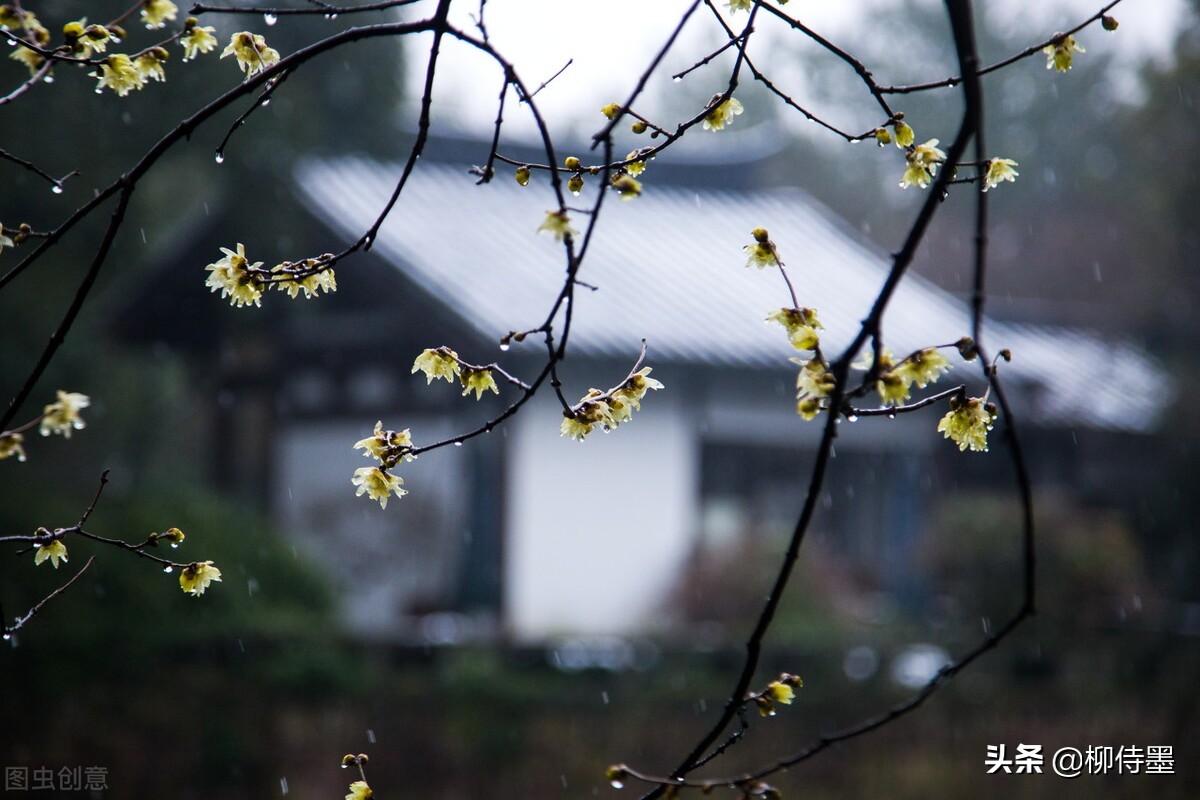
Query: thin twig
20, 622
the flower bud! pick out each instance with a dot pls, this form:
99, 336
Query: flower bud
1109, 23
522, 175
571, 162
966, 348
616, 775
638, 127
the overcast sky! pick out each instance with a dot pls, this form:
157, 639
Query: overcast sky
612, 42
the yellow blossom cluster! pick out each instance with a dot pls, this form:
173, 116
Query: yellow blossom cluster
86, 40
813, 382
967, 423
120, 72
243, 283
444, 363
233, 276
608, 409
294, 277
359, 790
390, 448
923, 161
894, 381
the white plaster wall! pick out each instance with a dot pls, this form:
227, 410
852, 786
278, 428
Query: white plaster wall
597, 530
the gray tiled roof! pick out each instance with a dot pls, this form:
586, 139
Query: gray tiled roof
669, 268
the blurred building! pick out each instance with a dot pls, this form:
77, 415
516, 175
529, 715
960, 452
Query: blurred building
524, 533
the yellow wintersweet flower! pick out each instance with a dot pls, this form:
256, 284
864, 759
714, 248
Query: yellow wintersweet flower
10, 445
322, 280
999, 170
814, 379
55, 551
195, 577
923, 161
478, 381
808, 407
85, 41
905, 135
197, 39
893, 387
611, 110
118, 73
637, 167
149, 65
157, 13
801, 325
325, 280
360, 791
233, 277
377, 484
924, 367
967, 423
558, 225
722, 114
762, 253
251, 51
636, 386
780, 692
1059, 54
627, 186
740, 5
30, 58
384, 444
618, 410
575, 428
62, 416
439, 363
